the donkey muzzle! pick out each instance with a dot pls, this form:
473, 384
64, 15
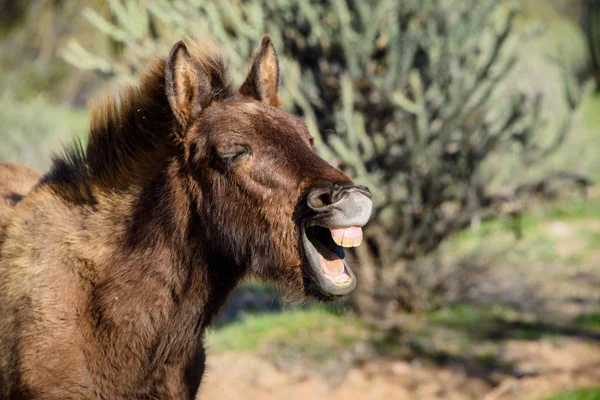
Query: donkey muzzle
337, 214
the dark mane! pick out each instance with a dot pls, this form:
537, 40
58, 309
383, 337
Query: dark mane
130, 132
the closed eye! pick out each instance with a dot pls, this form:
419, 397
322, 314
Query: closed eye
231, 156
311, 140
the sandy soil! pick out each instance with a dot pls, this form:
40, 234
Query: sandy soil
544, 367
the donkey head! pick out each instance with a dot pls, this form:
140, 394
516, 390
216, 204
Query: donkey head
268, 204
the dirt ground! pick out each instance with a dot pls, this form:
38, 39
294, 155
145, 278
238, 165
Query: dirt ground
545, 367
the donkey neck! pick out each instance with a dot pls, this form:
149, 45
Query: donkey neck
164, 241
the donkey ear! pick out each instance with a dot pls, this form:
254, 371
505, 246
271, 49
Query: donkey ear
187, 86
262, 82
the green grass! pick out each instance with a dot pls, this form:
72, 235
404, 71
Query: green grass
574, 210
317, 334
581, 394
481, 323
589, 321
464, 324
533, 221
496, 239
489, 359
314, 330
465, 316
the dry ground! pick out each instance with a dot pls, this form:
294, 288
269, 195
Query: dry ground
548, 368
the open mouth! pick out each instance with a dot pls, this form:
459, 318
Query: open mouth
324, 249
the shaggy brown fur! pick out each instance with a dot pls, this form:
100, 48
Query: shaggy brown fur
15, 182
115, 263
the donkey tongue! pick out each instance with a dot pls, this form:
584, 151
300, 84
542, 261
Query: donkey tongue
331, 262
333, 267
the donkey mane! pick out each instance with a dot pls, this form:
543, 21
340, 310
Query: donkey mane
130, 132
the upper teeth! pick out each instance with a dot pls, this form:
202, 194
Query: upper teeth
347, 237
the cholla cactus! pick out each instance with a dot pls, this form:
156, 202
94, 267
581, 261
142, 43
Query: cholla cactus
404, 95
591, 25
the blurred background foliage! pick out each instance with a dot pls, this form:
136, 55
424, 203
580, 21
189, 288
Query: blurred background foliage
475, 123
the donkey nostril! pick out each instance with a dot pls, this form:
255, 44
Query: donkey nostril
324, 199
319, 200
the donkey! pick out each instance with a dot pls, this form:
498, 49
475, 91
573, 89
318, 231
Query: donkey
117, 260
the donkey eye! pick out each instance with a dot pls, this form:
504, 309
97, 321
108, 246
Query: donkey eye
232, 155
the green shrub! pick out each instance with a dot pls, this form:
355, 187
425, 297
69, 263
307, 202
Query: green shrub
30, 132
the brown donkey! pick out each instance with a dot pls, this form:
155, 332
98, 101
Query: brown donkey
117, 260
